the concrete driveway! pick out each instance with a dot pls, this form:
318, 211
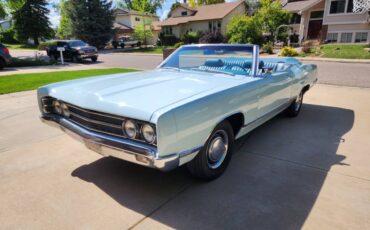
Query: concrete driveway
308, 172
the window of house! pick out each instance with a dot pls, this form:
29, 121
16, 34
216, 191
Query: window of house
317, 14
349, 6
137, 19
167, 30
341, 6
214, 26
332, 37
337, 6
361, 37
346, 38
184, 13
296, 19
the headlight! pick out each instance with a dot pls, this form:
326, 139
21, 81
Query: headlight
65, 110
57, 107
130, 128
148, 133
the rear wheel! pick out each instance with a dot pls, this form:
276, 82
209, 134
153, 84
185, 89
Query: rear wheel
294, 109
123, 46
215, 155
94, 59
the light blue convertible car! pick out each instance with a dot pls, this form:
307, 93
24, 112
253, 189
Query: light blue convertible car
189, 110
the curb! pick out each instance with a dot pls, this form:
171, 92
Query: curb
360, 61
136, 53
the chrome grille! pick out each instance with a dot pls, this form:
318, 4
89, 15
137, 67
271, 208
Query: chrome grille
96, 121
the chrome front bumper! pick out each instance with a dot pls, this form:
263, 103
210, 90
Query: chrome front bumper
107, 145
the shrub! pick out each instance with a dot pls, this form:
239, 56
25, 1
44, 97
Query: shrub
28, 62
268, 48
8, 36
177, 45
191, 37
288, 51
44, 45
168, 39
309, 46
212, 38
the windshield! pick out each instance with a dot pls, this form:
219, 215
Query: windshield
228, 59
77, 44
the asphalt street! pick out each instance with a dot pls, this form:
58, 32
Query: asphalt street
334, 73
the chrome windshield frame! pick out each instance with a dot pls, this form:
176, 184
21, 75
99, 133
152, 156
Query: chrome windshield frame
255, 54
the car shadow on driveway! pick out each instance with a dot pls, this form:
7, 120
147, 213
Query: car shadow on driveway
272, 181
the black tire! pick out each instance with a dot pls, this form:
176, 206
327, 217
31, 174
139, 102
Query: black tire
202, 166
2, 64
139, 44
75, 59
296, 106
94, 59
115, 46
123, 46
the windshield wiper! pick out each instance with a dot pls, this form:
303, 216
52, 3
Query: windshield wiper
213, 71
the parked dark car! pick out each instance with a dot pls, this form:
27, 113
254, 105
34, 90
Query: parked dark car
75, 50
126, 41
4, 56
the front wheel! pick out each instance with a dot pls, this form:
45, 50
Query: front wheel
213, 159
294, 109
94, 59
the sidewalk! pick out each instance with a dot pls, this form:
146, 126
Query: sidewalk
51, 68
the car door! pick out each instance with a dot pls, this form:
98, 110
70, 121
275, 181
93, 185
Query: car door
275, 92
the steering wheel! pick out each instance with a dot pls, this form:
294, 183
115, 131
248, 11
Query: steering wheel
230, 67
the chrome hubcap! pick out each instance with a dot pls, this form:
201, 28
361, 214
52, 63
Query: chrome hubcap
298, 102
217, 149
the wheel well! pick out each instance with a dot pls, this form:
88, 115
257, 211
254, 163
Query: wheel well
305, 89
236, 122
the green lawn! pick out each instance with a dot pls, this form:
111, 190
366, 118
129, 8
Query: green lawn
345, 51
23, 82
20, 46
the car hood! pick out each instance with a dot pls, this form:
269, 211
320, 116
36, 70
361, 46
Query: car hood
136, 95
86, 48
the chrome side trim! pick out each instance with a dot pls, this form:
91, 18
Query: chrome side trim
274, 111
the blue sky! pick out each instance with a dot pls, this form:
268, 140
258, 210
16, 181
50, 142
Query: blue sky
162, 13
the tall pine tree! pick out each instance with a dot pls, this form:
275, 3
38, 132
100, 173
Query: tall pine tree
31, 21
92, 21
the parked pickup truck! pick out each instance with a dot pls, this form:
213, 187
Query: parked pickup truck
189, 110
126, 41
74, 50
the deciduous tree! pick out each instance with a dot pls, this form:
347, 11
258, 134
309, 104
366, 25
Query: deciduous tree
65, 24
243, 29
271, 15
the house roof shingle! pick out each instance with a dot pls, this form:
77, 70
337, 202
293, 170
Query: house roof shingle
206, 12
